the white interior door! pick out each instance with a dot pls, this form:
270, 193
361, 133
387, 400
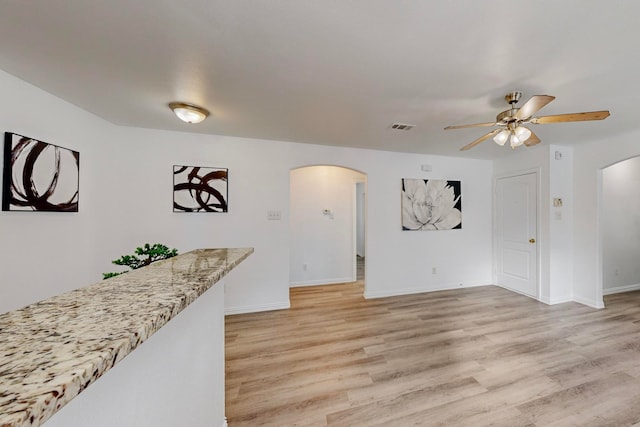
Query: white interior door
516, 233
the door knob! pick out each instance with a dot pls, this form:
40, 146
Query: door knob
532, 240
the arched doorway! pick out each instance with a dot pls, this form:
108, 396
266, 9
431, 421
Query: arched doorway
324, 224
619, 214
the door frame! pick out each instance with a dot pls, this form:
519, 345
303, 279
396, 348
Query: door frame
356, 222
513, 174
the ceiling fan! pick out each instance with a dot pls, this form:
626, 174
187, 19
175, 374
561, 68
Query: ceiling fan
511, 121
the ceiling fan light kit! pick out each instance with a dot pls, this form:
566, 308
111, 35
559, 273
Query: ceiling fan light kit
502, 137
511, 121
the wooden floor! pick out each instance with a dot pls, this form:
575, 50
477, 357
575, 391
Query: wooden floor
469, 357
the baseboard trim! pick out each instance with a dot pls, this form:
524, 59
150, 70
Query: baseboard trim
561, 300
533, 297
589, 302
409, 291
303, 283
621, 289
555, 301
257, 308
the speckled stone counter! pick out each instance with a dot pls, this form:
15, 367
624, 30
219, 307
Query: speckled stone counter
52, 350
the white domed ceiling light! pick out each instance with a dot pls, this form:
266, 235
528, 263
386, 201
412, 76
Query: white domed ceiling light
510, 122
189, 113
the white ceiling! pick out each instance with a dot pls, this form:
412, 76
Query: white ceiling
334, 72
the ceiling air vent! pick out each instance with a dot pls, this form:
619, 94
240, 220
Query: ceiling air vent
402, 126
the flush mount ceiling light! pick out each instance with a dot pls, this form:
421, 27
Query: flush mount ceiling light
188, 112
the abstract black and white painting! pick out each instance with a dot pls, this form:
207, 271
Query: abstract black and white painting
39, 176
431, 204
199, 189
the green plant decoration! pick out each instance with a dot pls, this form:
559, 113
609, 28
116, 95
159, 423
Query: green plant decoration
143, 256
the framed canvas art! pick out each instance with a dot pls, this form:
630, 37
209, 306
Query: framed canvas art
38, 176
200, 189
431, 204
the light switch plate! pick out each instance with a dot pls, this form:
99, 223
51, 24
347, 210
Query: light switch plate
274, 215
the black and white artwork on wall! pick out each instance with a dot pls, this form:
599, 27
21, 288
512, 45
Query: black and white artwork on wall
200, 189
431, 204
38, 176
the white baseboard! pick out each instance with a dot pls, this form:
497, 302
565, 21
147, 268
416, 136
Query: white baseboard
523, 294
408, 291
620, 289
319, 282
257, 308
589, 302
559, 300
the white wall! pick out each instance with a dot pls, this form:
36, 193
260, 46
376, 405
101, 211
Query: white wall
555, 225
403, 261
560, 224
44, 254
572, 247
621, 226
589, 161
126, 199
322, 244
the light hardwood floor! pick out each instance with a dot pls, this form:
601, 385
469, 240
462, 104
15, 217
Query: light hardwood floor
469, 357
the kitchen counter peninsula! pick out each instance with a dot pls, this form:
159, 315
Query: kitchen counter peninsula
51, 351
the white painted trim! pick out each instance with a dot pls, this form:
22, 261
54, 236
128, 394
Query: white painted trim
319, 282
257, 308
588, 302
599, 236
621, 289
224, 422
410, 291
543, 299
561, 300
522, 293
366, 234
354, 227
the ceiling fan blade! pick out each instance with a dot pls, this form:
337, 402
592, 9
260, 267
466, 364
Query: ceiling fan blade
532, 140
533, 105
479, 140
572, 117
470, 126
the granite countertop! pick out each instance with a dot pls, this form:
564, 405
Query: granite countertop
52, 350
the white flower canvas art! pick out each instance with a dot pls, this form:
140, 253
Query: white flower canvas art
431, 204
